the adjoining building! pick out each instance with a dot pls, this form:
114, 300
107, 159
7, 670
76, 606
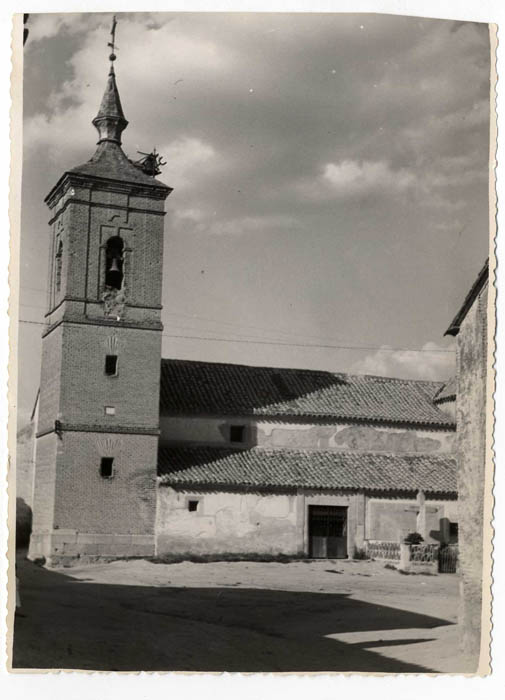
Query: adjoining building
299, 462
137, 456
470, 328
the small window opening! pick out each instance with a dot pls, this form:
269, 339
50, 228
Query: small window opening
193, 506
110, 410
111, 365
59, 262
114, 263
453, 530
106, 467
237, 433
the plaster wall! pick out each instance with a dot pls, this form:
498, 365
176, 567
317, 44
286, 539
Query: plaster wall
471, 420
246, 522
283, 434
391, 519
226, 523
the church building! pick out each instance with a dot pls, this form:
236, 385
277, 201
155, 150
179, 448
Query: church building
142, 456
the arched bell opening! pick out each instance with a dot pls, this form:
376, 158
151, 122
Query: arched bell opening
114, 263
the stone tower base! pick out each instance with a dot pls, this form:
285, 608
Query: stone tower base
62, 547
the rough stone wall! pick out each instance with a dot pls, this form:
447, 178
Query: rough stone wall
283, 434
471, 437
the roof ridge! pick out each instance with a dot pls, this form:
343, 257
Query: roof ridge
292, 451
305, 370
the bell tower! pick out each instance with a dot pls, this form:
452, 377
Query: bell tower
98, 427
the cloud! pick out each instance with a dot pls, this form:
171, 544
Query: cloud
350, 176
206, 222
432, 363
189, 159
254, 224
47, 25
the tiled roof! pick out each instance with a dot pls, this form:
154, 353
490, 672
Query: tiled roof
110, 162
257, 467
447, 392
191, 388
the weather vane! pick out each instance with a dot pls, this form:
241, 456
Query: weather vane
112, 42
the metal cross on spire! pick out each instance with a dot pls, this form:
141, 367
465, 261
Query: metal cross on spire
112, 42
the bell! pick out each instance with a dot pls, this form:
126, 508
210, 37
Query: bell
114, 266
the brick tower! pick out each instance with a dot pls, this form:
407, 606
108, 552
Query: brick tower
97, 433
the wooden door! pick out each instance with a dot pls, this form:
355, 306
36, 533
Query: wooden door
328, 532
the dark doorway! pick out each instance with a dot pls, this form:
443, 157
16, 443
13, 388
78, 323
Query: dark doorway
328, 532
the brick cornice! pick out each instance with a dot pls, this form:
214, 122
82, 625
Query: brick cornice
89, 203
83, 300
100, 428
153, 326
93, 182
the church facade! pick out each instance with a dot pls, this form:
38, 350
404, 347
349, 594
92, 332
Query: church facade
141, 456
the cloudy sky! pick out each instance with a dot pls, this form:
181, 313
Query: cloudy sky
330, 204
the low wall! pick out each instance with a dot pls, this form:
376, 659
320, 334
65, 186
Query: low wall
415, 559
389, 551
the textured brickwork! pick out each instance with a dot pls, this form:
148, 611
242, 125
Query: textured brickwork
78, 512
86, 502
86, 389
471, 432
85, 219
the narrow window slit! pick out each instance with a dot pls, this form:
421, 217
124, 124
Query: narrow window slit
106, 471
111, 365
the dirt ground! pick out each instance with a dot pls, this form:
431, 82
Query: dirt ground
245, 616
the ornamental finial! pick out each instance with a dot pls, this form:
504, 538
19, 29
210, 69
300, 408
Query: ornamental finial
112, 43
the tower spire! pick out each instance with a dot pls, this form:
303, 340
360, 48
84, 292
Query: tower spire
110, 121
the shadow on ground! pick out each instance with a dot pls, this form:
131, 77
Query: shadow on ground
75, 624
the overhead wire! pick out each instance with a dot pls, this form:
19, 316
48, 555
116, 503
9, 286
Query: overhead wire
259, 341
